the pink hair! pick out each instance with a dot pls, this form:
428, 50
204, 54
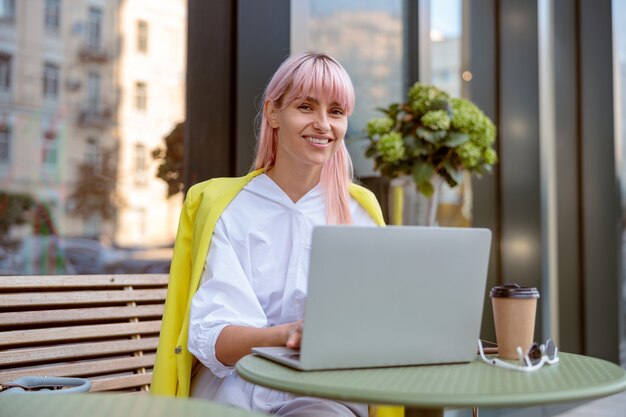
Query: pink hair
317, 75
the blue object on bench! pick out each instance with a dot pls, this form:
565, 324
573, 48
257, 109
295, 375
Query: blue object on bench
45, 385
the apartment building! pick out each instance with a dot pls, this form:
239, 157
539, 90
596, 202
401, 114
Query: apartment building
79, 78
151, 76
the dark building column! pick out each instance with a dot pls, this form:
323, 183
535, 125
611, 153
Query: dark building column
600, 194
211, 65
233, 49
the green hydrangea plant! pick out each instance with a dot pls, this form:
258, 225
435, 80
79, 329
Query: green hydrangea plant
431, 134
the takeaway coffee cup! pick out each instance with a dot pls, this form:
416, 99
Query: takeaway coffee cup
514, 310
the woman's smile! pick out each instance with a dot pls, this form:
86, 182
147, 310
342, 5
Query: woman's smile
317, 140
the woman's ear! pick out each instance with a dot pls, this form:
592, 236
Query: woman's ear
271, 114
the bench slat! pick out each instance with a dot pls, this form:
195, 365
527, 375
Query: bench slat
43, 317
77, 350
120, 382
83, 368
42, 299
81, 281
69, 334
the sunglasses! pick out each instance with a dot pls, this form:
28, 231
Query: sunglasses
536, 356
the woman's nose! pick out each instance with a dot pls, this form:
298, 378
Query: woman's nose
321, 123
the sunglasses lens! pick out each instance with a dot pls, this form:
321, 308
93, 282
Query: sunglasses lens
551, 350
534, 354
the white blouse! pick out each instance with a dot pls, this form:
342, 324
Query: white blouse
255, 275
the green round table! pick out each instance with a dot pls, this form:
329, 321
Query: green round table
112, 405
427, 389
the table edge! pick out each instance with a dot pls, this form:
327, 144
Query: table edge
434, 400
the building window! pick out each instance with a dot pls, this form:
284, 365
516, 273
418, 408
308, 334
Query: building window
93, 155
93, 92
141, 96
7, 10
142, 36
141, 222
140, 161
5, 71
94, 28
49, 149
5, 143
53, 15
51, 80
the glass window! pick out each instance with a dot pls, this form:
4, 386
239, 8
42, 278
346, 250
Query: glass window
49, 149
142, 36
368, 39
7, 9
94, 28
52, 15
140, 161
92, 152
5, 143
89, 99
445, 45
141, 95
93, 92
440, 64
5, 72
51, 80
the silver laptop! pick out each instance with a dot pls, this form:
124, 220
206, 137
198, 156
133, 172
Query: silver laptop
390, 296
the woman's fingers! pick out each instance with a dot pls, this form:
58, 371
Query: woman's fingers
295, 335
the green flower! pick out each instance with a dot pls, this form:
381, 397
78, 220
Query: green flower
380, 126
470, 119
436, 120
470, 155
490, 157
391, 147
423, 97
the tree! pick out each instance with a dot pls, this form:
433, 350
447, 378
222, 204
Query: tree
95, 191
170, 169
13, 210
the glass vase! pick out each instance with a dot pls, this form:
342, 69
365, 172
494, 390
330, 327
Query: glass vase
407, 206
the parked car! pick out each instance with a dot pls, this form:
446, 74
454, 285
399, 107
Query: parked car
9, 262
89, 256
143, 261
42, 255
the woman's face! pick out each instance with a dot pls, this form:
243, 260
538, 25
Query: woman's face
310, 131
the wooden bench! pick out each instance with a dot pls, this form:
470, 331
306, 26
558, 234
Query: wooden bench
101, 327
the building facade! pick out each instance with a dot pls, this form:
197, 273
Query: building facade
79, 79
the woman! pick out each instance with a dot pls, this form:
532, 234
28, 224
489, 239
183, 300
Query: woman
249, 288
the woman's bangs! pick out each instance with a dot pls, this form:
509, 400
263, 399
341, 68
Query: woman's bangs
321, 79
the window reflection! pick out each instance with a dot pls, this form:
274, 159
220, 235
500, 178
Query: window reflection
78, 185
442, 67
367, 38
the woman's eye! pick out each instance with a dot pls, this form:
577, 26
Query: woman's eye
337, 112
305, 107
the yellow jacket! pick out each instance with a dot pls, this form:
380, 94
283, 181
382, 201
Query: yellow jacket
203, 206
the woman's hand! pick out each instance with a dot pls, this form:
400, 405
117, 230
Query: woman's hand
294, 334
234, 342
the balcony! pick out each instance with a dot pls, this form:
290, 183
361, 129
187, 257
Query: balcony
94, 54
99, 117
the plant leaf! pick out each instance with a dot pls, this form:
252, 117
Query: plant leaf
426, 188
450, 179
455, 139
371, 151
423, 172
426, 134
